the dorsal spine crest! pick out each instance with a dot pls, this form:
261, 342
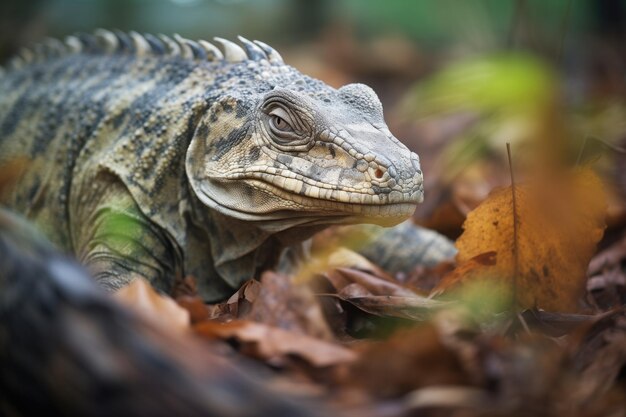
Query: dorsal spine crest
104, 41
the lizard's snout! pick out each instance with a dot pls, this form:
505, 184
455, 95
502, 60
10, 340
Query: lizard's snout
391, 171
404, 176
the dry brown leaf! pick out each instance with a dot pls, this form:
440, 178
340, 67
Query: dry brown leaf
408, 360
378, 295
607, 278
410, 308
281, 303
269, 342
425, 278
609, 257
240, 303
342, 277
237, 306
601, 355
197, 309
559, 223
160, 309
186, 295
467, 270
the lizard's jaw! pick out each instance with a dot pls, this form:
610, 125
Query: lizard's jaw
335, 206
340, 202
259, 201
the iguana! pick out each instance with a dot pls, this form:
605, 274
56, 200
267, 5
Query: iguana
156, 157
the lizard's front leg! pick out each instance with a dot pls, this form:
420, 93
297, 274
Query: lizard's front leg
118, 244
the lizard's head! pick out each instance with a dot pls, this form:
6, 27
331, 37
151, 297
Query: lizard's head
304, 151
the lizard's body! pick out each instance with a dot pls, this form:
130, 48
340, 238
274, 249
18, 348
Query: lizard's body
156, 159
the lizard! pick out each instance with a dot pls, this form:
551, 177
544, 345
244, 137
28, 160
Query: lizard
160, 157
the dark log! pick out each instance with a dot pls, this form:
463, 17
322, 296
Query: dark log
67, 348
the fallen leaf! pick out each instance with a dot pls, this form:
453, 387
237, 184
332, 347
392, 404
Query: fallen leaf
601, 357
560, 220
460, 274
341, 277
378, 295
160, 309
424, 278
240, 303
272, 343
554, 324
410, 359
237, 306
195, 306
186, 295
412, 308
281, 303
608, 290
609, 257
482, 289
607, 279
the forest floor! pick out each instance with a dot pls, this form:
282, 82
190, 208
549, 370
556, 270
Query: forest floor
527, 319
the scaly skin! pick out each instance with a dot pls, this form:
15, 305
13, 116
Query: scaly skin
158, 158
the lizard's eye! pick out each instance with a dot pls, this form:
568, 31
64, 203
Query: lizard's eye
280, 121
279, 124
287, 122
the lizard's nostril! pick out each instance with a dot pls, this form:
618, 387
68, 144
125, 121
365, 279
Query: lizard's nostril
378, 173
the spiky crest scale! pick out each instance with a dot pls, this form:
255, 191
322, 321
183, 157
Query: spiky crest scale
118, 42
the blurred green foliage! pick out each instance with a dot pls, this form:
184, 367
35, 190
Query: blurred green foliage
511, 97
486, 22
432, 22
504, 84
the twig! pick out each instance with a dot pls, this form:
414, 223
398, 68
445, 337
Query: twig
515, 249
582, 149
608, 145
522, 321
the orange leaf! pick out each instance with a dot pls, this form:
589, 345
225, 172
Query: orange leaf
560, 220
160, 309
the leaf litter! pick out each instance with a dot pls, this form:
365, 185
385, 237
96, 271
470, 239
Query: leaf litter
364, 342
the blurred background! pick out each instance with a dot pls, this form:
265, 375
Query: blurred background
458, 79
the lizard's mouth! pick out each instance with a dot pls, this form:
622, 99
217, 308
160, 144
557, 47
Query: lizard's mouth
276, 199
389, 207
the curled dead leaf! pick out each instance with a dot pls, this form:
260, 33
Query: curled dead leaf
375, 285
